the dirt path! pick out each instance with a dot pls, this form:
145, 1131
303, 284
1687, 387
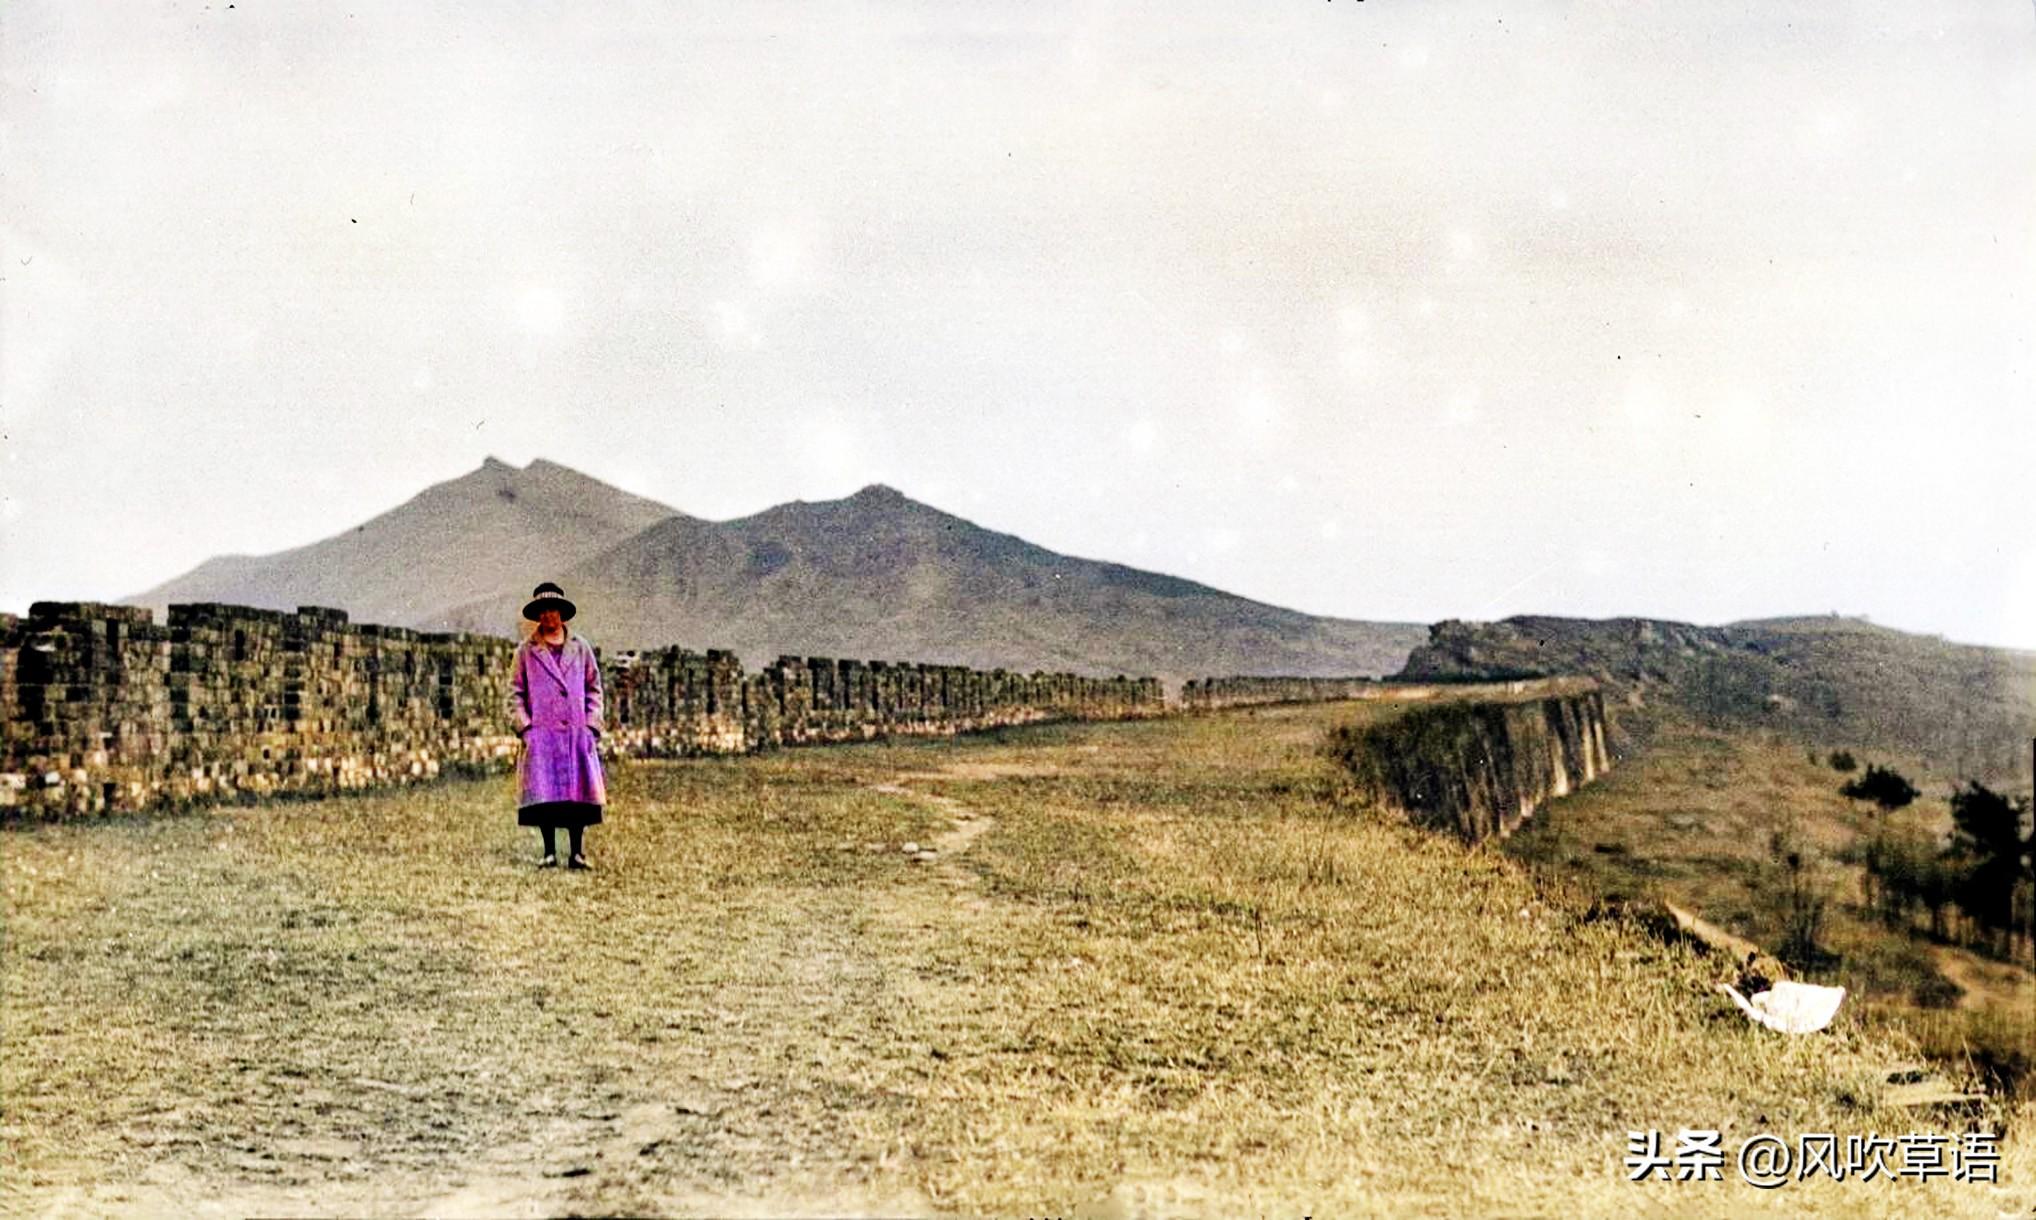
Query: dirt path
942, 852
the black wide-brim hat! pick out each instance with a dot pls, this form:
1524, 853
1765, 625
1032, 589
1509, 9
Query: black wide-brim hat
547, 596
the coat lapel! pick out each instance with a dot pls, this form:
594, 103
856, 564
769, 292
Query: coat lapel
554, 664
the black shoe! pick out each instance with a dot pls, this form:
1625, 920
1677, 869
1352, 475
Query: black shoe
549, 861
579, 861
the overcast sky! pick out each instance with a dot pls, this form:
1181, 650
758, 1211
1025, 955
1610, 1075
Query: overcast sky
1385, 310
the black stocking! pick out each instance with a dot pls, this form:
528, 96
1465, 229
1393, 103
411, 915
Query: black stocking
550, 841
575, 832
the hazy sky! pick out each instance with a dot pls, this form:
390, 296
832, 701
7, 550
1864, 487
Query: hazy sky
1386, 310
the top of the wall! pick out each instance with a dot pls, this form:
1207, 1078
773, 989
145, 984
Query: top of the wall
92, 618
49, 612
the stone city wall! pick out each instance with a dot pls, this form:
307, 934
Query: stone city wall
104, 710
1213, 694
1480, 766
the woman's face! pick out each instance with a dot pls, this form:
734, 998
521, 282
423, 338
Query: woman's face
548, 621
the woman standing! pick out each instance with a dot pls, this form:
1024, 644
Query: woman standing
555, 704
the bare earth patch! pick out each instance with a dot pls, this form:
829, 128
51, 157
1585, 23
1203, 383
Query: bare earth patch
1148, 968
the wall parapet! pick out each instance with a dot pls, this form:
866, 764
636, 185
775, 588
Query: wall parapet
1480, 766
104, 710
1215, 694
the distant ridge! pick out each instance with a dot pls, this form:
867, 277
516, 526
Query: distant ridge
1961, 710
876, 575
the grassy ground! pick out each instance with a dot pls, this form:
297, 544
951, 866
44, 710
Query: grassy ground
1154, 968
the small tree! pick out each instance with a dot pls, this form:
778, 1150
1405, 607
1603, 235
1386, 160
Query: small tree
1941, 881
1801, 899
1994, 849
1884, 786
1842, 760
1899, 863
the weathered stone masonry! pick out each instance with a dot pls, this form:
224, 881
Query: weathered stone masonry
103, 709
1214, 694
1480, 767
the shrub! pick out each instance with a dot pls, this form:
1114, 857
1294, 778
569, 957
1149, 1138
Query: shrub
1884, 786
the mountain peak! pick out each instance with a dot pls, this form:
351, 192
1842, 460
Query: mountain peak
464, 538
872, 574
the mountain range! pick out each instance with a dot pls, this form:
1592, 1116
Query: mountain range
880, 576
876, 575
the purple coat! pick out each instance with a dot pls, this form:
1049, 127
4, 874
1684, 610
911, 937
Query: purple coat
555, 702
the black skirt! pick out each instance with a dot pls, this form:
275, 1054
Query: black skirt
559, 813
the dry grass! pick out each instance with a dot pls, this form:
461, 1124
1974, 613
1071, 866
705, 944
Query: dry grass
1690, 816
1168, 974
1690, 819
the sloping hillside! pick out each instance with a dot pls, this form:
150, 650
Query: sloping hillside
1951, 710
483, 533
